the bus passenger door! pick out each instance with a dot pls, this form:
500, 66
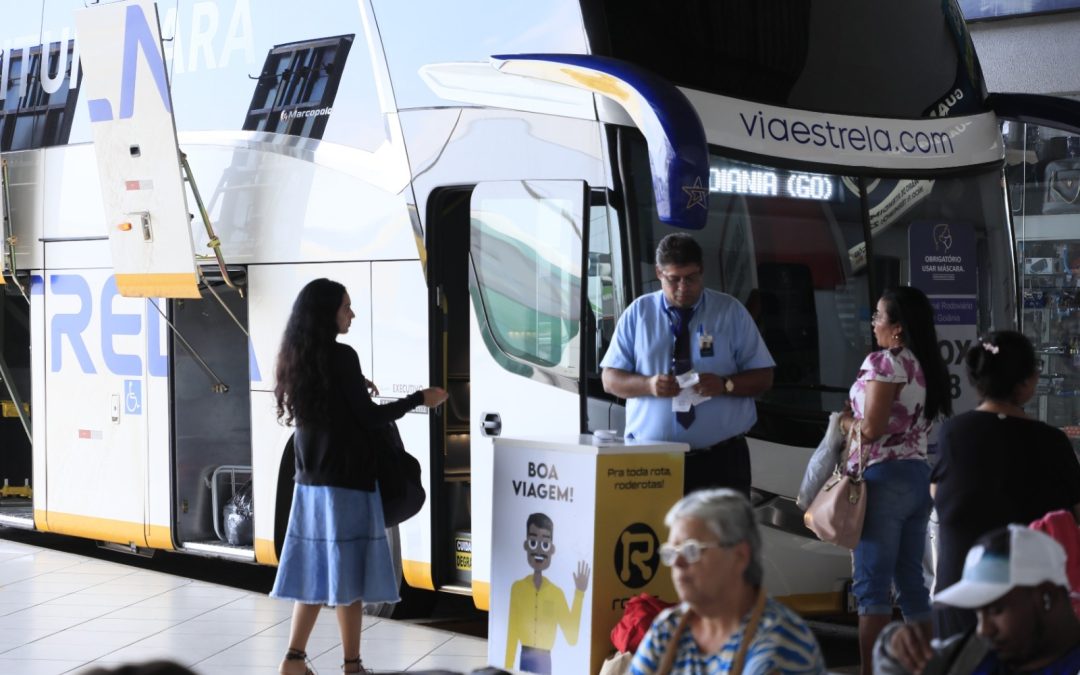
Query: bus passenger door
525, 245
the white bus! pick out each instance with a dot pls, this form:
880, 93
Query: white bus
489, 180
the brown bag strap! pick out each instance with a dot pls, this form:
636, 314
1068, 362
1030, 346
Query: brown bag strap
668, 660
748, 636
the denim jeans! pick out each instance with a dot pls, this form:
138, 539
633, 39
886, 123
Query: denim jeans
894, 539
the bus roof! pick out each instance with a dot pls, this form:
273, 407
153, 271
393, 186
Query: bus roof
904, 60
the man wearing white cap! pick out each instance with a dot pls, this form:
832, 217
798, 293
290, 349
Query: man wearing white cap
1014, 579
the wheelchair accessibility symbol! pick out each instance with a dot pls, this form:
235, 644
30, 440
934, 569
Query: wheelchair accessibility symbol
133, 397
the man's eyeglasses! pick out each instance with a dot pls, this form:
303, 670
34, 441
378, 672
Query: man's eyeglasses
685, 280
690, 550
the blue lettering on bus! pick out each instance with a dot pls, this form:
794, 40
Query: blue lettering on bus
71, 325
137, 37
113, 324
157, 364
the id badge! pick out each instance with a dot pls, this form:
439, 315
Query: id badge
705, 343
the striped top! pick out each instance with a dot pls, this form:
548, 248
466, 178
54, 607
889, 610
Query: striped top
782, 644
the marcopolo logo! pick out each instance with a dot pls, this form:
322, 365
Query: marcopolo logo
637, 555
287, 115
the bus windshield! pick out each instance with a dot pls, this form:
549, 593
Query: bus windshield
791, 245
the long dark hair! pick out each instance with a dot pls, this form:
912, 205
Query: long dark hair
999, 363
910, 308
303, 368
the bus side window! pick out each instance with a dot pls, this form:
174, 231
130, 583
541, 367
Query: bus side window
31, 116
526, 253
297, 86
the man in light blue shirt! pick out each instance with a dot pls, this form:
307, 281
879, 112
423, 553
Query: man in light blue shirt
686, 327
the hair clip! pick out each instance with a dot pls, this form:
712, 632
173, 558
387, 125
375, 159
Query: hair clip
993, 349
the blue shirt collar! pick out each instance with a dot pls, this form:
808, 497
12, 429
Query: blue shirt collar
668, 308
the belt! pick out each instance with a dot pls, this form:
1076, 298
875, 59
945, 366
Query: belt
720, 445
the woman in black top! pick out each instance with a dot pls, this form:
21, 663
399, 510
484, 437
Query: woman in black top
335, 551
996, 466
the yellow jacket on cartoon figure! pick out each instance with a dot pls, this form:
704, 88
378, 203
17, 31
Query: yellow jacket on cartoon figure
535, 614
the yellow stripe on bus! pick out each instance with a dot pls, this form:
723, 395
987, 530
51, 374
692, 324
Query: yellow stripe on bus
159, 536
814, 603
481, 594
418, 574
103, 529
182, 285
265, 552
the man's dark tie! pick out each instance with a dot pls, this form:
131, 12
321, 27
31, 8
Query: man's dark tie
681, 361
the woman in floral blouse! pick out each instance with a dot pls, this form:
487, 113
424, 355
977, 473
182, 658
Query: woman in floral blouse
899, 392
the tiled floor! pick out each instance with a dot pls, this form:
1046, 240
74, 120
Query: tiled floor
62, 613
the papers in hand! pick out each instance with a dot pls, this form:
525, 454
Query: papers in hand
687, 397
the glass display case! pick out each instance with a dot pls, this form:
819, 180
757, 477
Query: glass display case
1043, 175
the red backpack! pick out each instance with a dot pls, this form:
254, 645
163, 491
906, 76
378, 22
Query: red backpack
636, 620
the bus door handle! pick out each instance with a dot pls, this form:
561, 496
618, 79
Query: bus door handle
492, 424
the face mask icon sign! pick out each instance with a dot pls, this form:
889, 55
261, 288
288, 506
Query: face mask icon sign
942, 238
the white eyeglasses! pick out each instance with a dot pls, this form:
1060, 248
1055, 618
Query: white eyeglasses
690, 550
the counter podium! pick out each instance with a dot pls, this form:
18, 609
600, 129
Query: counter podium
576, 531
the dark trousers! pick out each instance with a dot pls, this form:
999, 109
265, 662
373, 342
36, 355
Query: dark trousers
726, 464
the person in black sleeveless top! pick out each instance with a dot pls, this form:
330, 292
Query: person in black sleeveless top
997, 466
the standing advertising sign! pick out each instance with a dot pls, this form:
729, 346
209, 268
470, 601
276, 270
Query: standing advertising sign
943, 266
577, 528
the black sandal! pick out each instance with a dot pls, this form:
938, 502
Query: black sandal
357, 662
299, 655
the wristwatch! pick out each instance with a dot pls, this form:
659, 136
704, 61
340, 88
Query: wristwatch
729, 385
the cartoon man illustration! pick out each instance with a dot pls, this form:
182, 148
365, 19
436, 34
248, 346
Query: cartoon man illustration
537, 606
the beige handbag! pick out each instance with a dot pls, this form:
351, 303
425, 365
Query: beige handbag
836, 515
617, 664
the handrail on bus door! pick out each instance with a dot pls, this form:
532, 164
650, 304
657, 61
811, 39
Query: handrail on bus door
9, 262
9, 232
214, 242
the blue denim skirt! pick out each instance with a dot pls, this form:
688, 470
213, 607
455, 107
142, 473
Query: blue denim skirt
336, 551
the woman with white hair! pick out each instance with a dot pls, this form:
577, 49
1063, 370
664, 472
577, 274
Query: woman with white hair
725, 623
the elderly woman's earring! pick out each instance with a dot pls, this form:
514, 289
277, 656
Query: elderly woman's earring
896, 339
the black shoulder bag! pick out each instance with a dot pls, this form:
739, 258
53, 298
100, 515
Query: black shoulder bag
398, 474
